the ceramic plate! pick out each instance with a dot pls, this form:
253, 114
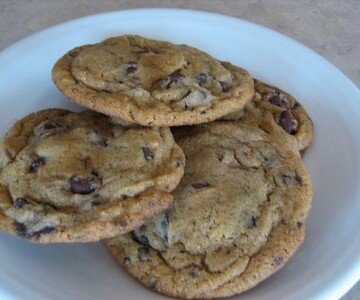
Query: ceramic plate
328, 263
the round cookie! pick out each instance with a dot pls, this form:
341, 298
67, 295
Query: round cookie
287, 112
237, 217
152, 83
77, 177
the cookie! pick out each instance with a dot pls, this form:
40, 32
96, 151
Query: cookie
77, 177
237, 217
288, 113
152, 83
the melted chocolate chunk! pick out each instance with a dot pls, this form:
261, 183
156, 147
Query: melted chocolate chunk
152, 285
10, 154
287, 121
277, 100
36, 164
224, 86
131, 67
141, 239
251, 223
292, 179
175, 77
296, 105
45, 230
22, 231
201, 79
163, 230
103, 143
179, 162
148, 154
82, 186
95, 172
302, 152
298, 179
51, 125
200, 185
21, 202
126, 261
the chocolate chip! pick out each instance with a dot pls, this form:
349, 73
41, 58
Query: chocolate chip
126, 260
302, 152
175, 77
299, 224
224, 86
152, 285
10, 154
103, 143
201, 79
292, 179
131, 67
200, 185
251, 223
298, 179
51, 125
20, 202
95, 172
287, 121
45, 230
21, 229
179, 162
138, 237
144, 253
278, 261
296, 105
36, 164
276, 100
162, 230
148, 154
81, 186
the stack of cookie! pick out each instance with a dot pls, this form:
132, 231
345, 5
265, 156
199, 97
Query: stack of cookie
212, 225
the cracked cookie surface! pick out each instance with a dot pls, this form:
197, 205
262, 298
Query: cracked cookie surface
288, 113
77, 177
237, 215
152, 83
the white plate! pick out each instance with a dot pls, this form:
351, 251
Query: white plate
325, 267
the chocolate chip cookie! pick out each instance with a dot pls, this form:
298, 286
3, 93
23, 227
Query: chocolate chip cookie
77, 177
238, 214
152, 83
287, 112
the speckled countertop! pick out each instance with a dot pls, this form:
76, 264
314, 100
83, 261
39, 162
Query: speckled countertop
329, 27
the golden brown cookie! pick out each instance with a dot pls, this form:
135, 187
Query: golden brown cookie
238, 214
288, 113
152, 83
77, 177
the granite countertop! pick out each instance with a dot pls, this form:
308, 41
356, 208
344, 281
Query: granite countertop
329, 27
